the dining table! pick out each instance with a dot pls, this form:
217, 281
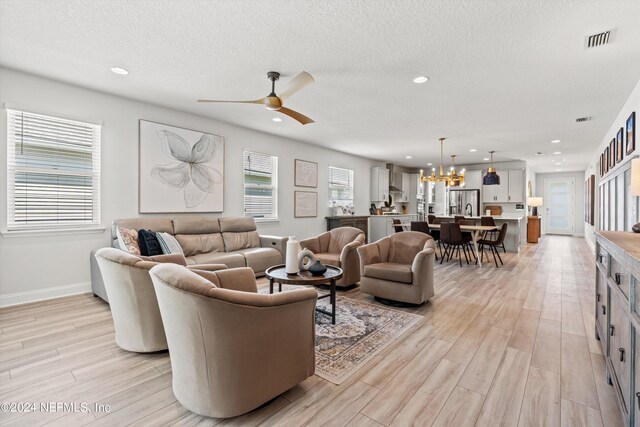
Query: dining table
476, 232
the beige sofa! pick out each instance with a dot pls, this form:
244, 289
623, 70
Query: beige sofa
231, 348
134, 306
338, 248
398, 268
232, 241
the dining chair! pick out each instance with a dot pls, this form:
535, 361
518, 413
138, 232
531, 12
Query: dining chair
452, 239
489, 222
494, 244
466, 235
423, 227
458, 218
396, 225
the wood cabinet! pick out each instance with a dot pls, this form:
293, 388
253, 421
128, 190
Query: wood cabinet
361, 222
510, 190
379, 184
617, 316
533, 229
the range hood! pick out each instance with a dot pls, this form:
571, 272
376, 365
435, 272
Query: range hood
395, 179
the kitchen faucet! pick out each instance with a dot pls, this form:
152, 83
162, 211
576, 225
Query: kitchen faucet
468, 209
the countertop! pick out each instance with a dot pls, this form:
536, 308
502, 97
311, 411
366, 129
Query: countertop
503, 217
346, 216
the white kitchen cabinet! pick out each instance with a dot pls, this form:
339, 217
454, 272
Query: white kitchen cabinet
379, 184
516, 186
510, 190
473, 180
406, 187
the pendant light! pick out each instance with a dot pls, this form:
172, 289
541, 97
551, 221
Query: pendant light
491, 178
441, 177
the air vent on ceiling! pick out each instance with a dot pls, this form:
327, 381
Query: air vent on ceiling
583, 119
600, 39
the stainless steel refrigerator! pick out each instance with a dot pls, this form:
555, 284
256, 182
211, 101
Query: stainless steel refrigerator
464, 202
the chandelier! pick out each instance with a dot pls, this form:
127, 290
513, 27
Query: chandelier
450, 179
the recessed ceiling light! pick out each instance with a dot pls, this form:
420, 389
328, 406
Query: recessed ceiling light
486, 159
429, 164
119, 70
555, 141
557, 152
407, 157
277, 119
538, 153
420, 79
473, 150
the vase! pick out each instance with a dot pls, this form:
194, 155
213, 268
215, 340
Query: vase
291, 258
317, 268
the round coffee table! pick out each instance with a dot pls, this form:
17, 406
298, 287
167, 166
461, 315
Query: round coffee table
278, 275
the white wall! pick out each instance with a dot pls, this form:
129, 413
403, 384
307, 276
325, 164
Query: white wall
578, 208
632, 104
31, 266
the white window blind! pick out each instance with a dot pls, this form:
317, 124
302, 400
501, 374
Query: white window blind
260, 185
53, 172
340, 186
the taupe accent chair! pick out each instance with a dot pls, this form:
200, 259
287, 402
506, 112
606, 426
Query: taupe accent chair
398, 268
231, 348
132, 299
338, 248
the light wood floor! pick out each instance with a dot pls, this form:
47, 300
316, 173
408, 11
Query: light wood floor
510, 346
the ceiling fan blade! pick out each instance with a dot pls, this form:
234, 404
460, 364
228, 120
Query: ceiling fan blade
257, 101
295, 84
295, 115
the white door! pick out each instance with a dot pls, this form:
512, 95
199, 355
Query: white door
558, 205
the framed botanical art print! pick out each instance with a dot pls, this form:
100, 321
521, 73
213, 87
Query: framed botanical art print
180, 170
612, 154
305, 204
619, 146
631, 133
306, 174
606, 160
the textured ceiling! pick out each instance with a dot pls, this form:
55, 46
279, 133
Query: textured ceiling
504, 75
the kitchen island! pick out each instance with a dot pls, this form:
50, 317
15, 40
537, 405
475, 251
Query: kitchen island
382, 225
516, 228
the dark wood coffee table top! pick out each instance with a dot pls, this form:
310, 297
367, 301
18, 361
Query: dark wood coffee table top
278, 274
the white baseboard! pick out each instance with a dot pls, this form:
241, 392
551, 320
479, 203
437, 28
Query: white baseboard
44, 294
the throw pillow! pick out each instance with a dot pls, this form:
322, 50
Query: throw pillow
169, 244
128, 240
148, 242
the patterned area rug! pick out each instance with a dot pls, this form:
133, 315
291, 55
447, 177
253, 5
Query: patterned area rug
361, 331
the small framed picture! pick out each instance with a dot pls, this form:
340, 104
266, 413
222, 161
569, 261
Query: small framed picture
305, 173
612, 153
619, 146
606, 160
305, 204
631, 133
601, 164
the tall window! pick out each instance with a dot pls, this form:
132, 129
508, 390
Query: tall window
53, 172
340, 187
260, 185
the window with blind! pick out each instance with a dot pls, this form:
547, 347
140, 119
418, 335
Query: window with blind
260, 185
340, 187
53, 172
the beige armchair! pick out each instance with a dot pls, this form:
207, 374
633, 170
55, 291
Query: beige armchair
132, 298
338, 248
398, 268
231, 348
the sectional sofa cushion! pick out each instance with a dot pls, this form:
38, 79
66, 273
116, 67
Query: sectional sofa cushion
169, 244
128, 240
261, 258
198, 235
231, 260
239, 233
148, 242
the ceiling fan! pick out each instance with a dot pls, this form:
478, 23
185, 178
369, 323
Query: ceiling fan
275, 102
